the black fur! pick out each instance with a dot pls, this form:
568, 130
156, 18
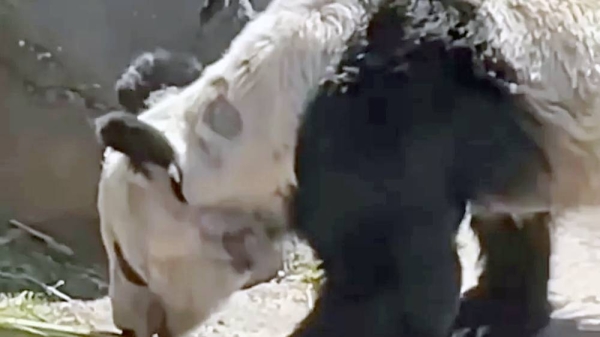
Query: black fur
152, 71
385, 165
511, 292
511, 297
141, 143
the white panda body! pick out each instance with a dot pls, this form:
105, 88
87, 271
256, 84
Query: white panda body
268, 74
554, 49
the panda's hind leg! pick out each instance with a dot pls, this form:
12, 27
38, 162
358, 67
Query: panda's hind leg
511, 298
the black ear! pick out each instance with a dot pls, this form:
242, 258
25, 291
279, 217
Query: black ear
139, 141
152, 71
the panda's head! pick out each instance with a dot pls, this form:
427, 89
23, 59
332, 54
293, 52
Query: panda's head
148, 150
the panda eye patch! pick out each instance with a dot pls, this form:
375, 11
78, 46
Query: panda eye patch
176, 181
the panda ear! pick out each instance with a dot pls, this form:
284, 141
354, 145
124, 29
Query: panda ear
139, 141
223, 118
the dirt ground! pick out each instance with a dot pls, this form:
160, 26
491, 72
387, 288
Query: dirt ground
273, 309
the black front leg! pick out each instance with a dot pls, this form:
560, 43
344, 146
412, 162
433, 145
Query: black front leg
392, 270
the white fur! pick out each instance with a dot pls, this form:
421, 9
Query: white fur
169, 245
268, 74
554, 46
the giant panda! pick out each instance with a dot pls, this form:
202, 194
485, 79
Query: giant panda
247, 161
